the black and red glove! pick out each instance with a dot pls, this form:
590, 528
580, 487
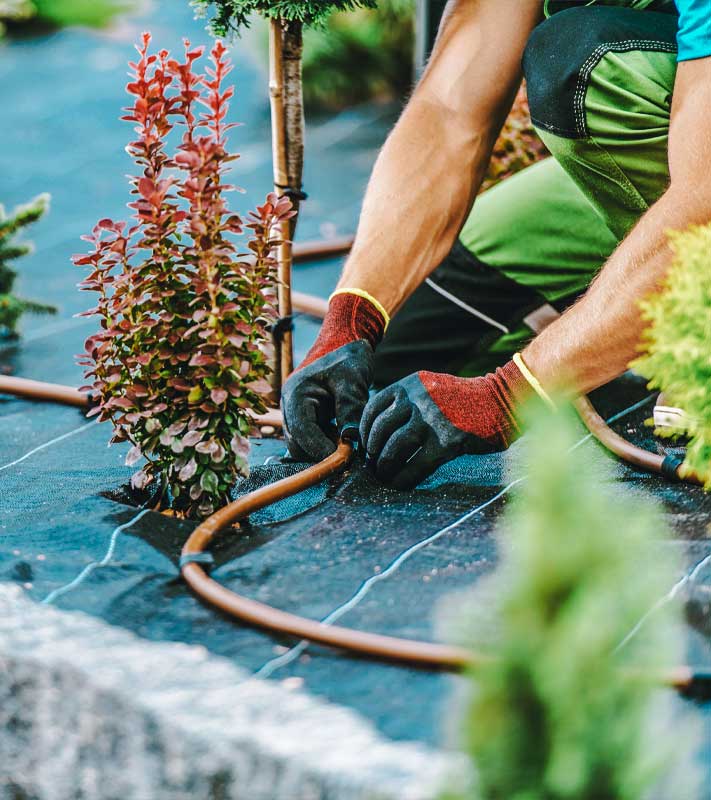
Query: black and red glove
329, 389
412, 427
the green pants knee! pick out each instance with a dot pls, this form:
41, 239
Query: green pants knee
600, 82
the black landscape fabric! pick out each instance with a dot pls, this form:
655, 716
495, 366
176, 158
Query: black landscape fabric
349, 550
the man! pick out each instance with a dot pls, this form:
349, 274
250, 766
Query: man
620, 92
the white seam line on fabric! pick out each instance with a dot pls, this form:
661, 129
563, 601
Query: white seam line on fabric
457, 302
89, 568
663, 601
44, 446
267, 669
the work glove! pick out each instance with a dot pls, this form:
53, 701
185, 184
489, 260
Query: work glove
329, 389
412, 427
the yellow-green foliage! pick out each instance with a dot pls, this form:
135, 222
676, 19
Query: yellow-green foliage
561, 714
677, 343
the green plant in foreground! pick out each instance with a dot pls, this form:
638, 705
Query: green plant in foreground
677, 357
12, 307
562, 713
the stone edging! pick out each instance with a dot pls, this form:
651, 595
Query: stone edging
91, 711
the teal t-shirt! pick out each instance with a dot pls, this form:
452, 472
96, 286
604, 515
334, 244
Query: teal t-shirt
694, 36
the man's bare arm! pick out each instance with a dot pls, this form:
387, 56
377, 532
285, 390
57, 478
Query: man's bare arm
595, 340
433, 162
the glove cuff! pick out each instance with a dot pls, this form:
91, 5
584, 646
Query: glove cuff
352, 315
486, 407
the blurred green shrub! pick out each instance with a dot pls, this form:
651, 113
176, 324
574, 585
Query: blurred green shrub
562, 713
360, 55
676, 343
60, 13
12, 307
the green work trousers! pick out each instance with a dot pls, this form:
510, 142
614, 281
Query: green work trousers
600, 82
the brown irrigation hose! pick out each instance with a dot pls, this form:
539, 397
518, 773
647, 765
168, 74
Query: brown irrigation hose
418, 653
48, 392
423, 654
264, 616
330, 248
68, 396
669, 466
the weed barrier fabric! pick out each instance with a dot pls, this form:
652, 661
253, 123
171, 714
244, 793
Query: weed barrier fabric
348, 550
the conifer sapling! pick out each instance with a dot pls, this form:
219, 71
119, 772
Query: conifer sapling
563, 710
181, 362
11, 306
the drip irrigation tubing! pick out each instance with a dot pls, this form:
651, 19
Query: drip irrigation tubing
195, 557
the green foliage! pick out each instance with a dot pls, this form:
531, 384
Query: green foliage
12, 307
676, 343
60, 13
360, 55
561, 713
230, 15
95, 13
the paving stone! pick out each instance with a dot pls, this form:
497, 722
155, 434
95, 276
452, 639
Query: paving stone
90, 710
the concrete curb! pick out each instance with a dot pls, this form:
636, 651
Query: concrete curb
91, 711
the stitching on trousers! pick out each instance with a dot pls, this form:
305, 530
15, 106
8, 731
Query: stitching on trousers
592, 61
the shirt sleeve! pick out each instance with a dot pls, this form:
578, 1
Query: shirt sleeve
694, 36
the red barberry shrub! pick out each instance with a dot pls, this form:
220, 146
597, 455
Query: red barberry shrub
181, 362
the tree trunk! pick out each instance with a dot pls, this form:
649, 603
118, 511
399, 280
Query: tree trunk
287, 107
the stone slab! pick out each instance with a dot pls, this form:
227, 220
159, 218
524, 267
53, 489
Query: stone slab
89, 710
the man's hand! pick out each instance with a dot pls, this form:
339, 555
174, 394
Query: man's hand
418, 423
330, 388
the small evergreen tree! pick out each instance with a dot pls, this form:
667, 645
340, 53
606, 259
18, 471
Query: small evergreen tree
562, 712
12, 307
676, 343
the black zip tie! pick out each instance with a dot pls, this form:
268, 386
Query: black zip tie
281, 326
292, 194
204, 559
350, 432
699, 687
670, 467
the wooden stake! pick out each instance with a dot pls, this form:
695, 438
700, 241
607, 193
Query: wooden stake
285, 94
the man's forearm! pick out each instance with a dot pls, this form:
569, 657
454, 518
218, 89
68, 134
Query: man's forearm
433, 163
595, 340
416, 203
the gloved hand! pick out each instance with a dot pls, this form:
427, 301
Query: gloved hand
412, 427
332, 382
